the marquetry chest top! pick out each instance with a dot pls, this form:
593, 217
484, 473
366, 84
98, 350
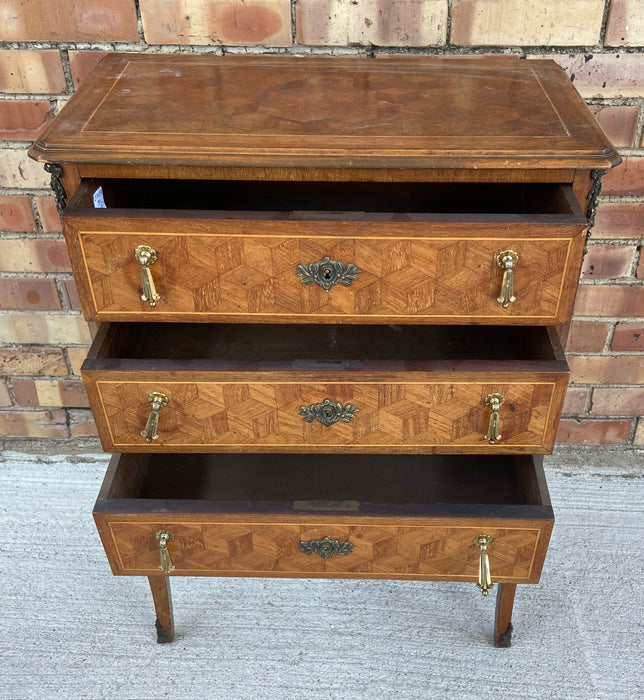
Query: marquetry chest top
341, 112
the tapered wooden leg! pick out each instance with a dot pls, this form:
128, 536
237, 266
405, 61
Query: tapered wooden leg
503, 617
162, 597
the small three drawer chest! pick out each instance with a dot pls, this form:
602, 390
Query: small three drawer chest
329, 294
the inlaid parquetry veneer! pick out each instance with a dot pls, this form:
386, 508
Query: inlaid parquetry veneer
364, 263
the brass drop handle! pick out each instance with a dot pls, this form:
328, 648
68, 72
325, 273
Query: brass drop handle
164, 536
494, 401
147, 256
483, 542
158, 401
507, 260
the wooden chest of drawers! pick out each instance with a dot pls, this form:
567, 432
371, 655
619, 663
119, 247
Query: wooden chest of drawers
336, 286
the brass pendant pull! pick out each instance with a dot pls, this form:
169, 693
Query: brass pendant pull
507, 261
494, 401
158, 401
328, 412
326, 547
327, 273
485, 577
147, 256
164, 536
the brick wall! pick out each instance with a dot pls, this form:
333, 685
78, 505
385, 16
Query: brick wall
49, 46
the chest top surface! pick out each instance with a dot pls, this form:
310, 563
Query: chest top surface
405, 112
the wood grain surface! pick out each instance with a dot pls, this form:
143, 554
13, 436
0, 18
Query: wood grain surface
321, 111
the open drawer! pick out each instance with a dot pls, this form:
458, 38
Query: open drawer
327, 388
377, 516
324, 252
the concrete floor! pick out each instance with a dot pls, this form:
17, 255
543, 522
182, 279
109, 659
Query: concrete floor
69, 629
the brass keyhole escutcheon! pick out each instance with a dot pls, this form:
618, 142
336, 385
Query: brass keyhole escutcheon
328, 412
326, 273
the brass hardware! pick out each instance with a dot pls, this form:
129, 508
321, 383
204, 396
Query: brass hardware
593, 195
507, 261
164, 536
326, 547
147, 256
60, 195
494, 401
327, 273
328, 412
483, 542
158, 401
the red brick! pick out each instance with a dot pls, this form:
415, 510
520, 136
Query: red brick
587, 336
639, 433
31, 71
625, 25
608, 261
231, 22
618, 402
627, 178
47, 392
71, 294
594, 432
640, 267
371, 22
526, 22
33, 255
575, 401
619, 220
618, 122
15, 214
81, 423
5, 399
23, 119
46, 424
40, 294
76, 358
82, 63
34, 361
628, 337
49, 216
89, 20
603, 75
606, 369
609, 300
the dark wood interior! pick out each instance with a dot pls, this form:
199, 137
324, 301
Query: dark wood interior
314, 199
419, 485
320, 346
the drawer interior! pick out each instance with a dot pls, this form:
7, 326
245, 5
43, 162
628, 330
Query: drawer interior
413, 485
335, 199
300, 346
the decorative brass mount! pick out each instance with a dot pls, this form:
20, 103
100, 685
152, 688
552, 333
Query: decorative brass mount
327, 273
326, 547
328, 412
494, 401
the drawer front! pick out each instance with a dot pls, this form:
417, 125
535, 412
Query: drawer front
259, 271
270, 416
444, 551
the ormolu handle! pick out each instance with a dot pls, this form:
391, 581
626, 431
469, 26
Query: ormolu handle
494, 402
158, 401
147, 256
507, 261
485, 577
164, 536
